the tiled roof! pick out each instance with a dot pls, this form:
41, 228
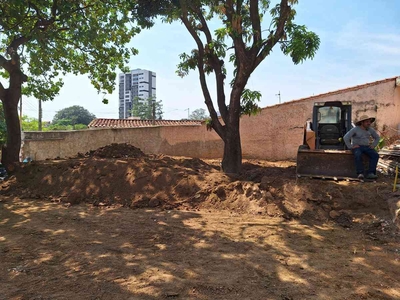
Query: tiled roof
132, 123
345, 90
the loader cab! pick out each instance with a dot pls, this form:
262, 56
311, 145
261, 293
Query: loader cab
330, 122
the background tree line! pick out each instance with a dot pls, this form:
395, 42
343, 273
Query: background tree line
70, 118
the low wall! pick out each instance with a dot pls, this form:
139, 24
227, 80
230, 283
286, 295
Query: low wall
274, 134
173, 140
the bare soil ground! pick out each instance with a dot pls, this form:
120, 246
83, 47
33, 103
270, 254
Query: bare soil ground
106, 226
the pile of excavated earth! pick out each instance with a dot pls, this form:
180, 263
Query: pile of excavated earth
121, 174
116, 223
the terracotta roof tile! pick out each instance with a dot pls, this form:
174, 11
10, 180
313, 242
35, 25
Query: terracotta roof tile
132, 123
349, 89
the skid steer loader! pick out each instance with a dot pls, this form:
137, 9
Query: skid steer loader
324, 153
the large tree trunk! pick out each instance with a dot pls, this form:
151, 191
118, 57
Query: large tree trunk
10, 152
232, 159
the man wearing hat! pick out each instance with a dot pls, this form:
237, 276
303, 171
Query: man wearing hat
363, 139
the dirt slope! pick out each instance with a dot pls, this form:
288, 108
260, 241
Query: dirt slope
121, 174
66, 231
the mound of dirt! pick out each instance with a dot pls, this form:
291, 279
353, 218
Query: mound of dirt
264, 188
122, 150
43, 242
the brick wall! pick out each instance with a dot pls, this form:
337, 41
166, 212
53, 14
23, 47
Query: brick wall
274, 134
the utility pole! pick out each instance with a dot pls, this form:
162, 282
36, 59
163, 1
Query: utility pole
188, 112
154, 111
279, 95
40, 116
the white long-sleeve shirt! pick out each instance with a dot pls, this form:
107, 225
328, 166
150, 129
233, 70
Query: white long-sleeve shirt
361, 137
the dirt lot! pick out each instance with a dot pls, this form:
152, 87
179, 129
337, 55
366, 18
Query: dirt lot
106, 226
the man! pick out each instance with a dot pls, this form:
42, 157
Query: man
358, 139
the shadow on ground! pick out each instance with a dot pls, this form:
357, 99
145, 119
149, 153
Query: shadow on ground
51, 251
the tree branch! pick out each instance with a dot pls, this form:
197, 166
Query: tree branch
239, 7
54, 9
235, 21
7, 26
37, 10
204, 25
200, 65
16, 43
216, 65
279, 32
75, 10
5, 64
256, 26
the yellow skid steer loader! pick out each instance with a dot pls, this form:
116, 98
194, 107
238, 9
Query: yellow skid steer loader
324, 153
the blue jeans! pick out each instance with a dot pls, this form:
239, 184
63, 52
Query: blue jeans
373, 159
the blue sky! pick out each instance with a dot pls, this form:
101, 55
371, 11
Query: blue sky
360, 43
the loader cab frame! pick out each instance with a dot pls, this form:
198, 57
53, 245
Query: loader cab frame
330, 122
324, 153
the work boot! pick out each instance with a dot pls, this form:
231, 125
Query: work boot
372, 176
360, 176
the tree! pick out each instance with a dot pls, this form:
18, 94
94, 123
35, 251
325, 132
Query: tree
44, 39
245, 40
73, 115
29, 124
147, 109
198, 114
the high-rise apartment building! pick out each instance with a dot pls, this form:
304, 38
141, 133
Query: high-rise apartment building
135, 84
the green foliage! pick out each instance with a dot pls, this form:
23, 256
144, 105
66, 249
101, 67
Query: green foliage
29, 124
80, 127
209, 124
301, 43
53, 38
59, 126
381, 144
3, 127
251, 42
248, 104
145, 108
73, 115
32, 124
199, 114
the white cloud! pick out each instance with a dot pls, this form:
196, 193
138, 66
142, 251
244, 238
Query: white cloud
356, 37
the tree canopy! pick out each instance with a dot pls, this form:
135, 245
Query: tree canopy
52, 38
46, 39
199, 114
32, 124
73, 115
248, 31
147, 109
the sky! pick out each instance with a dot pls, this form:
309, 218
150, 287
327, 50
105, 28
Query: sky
360, 43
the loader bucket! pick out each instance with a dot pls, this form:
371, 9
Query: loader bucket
334, 164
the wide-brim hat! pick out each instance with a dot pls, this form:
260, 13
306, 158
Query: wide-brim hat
364, 118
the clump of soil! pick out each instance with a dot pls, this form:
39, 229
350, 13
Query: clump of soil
115, 150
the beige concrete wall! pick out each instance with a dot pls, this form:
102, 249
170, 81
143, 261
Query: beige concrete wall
274, 134
193, 141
